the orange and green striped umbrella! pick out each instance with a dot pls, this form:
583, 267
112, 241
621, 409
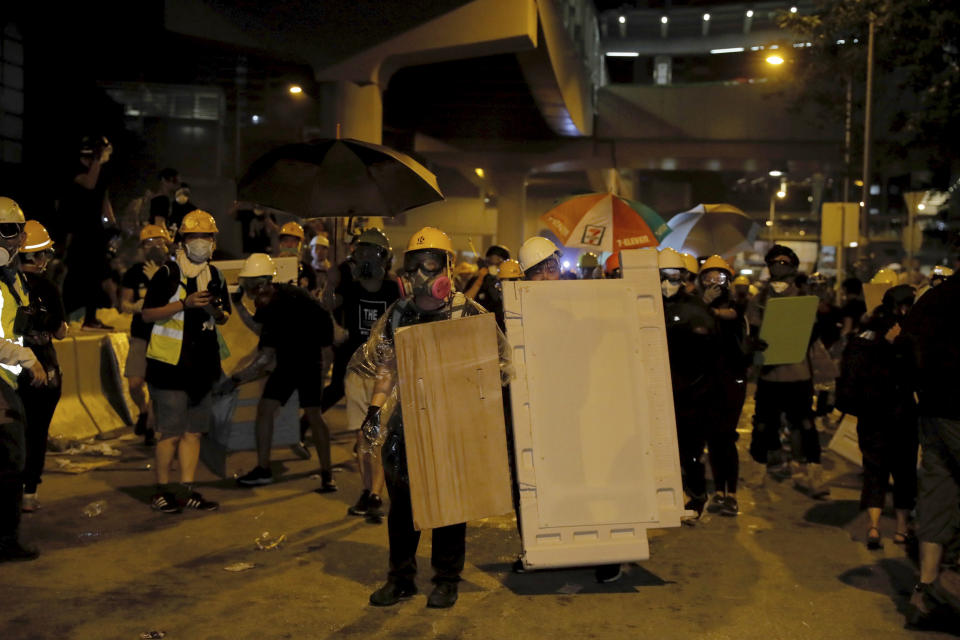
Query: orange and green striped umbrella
605, 222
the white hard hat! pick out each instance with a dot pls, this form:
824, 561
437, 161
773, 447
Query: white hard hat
535, 250
321, 240
258, 265
670, 259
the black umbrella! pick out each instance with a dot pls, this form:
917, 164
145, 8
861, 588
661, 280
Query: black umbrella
341, 177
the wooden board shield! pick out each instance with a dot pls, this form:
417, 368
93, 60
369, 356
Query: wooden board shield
787, 323
450, 395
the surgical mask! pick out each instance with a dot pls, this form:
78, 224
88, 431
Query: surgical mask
669, 288
493, 269
779, 271
155, 255
199, 249
289, 251
181, 198
779, 286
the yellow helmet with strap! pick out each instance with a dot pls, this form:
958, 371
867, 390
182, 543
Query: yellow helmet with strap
510, 269
10, 211
431, 238
37, 237
716, 262
198, 221
292, 229
151, 231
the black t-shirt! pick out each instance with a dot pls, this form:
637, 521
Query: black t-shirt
296, 325
45, 298
199, 364
306, 276
855, 308
361, 308
81, 212
255, 236
490, 297
134, 278
170, 210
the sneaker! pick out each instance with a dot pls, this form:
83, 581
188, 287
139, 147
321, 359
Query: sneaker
360, 509
443, 596
300, 450
149, 438
716, 503
730, 507
256, 477
30, 503
13, 551
393, 592
608, 573
517, 566
96, 325
696, 505
165, 503
198, 502
375, 509
140, 427
327, 485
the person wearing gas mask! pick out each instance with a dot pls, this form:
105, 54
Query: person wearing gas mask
85, 210
285, 313
785, 389
15, 358
693, 349
730, 373
428, 296
47, 320
154, 247
289, 245
878, 378
186, 299
358, 302
484, 289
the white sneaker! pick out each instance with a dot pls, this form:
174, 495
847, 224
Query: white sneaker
30, 503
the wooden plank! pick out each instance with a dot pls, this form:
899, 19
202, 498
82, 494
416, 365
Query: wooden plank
450, 394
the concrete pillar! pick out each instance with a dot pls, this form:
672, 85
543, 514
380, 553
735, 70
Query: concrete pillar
511, 209
357, 109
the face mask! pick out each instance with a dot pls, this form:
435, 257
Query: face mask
155, 255
669, 289
779, 287
289, 251
6, 257
199, 249
780, 271
493, 269
181, 198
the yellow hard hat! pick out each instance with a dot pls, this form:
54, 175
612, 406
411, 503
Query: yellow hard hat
153, 231
510, 269
466, 268
37, 237
198, 221
691, 264
258, 265
716, 262
292, 229
670, 259
535, 250
588, 260
320, 240
739, 280
937, 271
886, 276
10, 211
431, 238
753, 290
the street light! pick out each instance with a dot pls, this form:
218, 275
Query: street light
774, 59
296, 89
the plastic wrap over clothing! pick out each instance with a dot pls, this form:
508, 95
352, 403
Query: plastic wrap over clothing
377, 359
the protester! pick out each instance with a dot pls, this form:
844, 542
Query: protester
295, 329
540, 259
427, 267
257, 227
692, 266
785, 389
172, 203
84, 209
483, 289
878, 389
14, 358
186, 299
463, 275
290, 244
588, 266
154, 247
319, 251
741, 294
854, 307
45, 320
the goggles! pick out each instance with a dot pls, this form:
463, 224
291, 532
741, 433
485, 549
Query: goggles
369, 252
715, 277
429, 262
10, 229
674, 275
781, 260
550, 265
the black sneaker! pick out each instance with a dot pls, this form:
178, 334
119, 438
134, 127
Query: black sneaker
13, 551
198, 502
96, 325
149, 438
696, 505
375, 509
141, 426
360, 509
300, 450
716, 503
327, 485
608, 573
393, 592
256, 477
730, 507
517, 566
165, 503
443, 596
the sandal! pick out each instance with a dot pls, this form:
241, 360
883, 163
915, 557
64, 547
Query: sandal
873, 542
902, 538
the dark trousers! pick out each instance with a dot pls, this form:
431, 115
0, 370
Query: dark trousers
39, 404
12, 456
794, 400
333, 392
691, 442
722, 436
889, 445
938, 502
449, 543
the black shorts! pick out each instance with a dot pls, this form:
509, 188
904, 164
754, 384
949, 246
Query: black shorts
306, 379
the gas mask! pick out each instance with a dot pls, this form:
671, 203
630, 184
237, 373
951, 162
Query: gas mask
199, 249
368, 262
425, 274
9, 231
6, 257
781, 271
156, 255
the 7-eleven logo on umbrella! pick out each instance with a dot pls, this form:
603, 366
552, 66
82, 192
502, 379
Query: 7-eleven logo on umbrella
593, 234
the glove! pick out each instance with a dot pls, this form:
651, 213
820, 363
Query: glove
371, 425
711, 294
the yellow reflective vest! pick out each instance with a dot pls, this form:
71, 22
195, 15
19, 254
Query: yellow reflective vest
8, 313
166, 338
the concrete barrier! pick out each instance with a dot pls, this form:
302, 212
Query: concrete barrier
71, 421
93, 382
